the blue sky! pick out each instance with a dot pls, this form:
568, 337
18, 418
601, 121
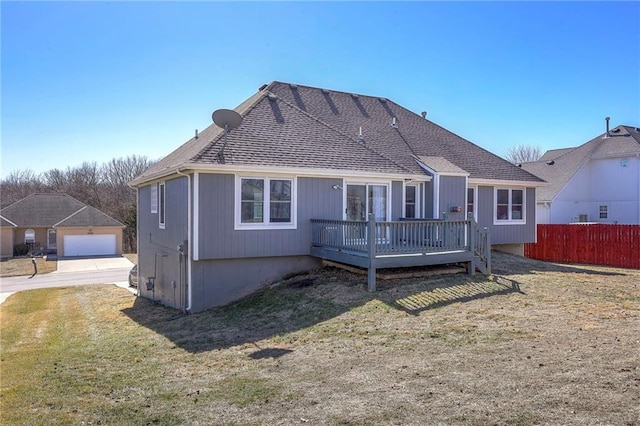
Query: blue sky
91, 81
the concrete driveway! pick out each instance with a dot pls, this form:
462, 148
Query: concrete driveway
73, 271
92, 264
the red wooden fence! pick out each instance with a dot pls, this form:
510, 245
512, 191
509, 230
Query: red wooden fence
594, 244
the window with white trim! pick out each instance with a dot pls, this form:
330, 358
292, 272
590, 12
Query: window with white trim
604, 212
162, 204
471, 202
411, 205
509, 206
154, 198
265, 202
29, 236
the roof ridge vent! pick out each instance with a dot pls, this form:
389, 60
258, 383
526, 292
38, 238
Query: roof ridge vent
261, 88
354, 96
273, 97
293, 86
383, 100
324, 90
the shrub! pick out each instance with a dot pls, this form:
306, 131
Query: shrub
20, 249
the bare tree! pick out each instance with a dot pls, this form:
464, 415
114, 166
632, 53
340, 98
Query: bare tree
523, 154
104, 187
18, 184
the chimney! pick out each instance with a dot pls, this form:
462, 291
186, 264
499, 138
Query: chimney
608, 134
196, 133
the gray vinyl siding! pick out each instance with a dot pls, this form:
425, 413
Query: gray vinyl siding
452, 194
507, 234
157, 248
397, 207
427, 212
221, 281
219, 240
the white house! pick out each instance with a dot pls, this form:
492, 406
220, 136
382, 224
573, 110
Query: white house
598, 181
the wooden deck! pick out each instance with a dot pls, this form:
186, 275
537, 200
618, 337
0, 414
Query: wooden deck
375, 245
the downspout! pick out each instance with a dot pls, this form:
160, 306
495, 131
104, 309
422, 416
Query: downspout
190, 240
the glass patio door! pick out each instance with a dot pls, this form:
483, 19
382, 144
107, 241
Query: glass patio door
363, 199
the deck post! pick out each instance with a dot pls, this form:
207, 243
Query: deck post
488, 249
371, 249
472, 246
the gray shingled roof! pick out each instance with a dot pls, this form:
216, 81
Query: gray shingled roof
440, 165
287, 125
6, 223
49, 210
558, 166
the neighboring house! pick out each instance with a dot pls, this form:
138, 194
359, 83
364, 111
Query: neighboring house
222, 216
6, 237
598, 181
58, 223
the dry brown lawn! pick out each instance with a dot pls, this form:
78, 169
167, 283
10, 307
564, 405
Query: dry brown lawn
24, 266
536, 344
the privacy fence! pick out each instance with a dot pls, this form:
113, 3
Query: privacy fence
594, 244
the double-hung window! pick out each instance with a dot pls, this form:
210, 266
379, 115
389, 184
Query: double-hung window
604, 212
265, 202
509, 206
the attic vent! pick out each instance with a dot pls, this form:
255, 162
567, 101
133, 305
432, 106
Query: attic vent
360, 135
293, 86
383, 100
393, 123
551, 163
616, 130
424, 114
324, 90
354, 96
261, 88
272, 97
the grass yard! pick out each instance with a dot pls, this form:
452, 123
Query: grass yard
23, 266
537, 344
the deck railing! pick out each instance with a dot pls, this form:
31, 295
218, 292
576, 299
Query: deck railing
389, 238
401, 243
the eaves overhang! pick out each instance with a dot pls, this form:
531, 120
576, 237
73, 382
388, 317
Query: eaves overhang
495, 182
257, 169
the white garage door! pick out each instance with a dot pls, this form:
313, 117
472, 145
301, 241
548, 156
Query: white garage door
89, 245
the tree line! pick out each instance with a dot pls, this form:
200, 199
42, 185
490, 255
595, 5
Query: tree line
103, 186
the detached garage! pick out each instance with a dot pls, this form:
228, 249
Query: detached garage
89, 245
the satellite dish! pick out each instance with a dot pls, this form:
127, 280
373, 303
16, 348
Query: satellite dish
228, 119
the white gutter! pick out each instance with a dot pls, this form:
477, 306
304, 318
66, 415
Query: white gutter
494, 182
190, 241
297, 171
